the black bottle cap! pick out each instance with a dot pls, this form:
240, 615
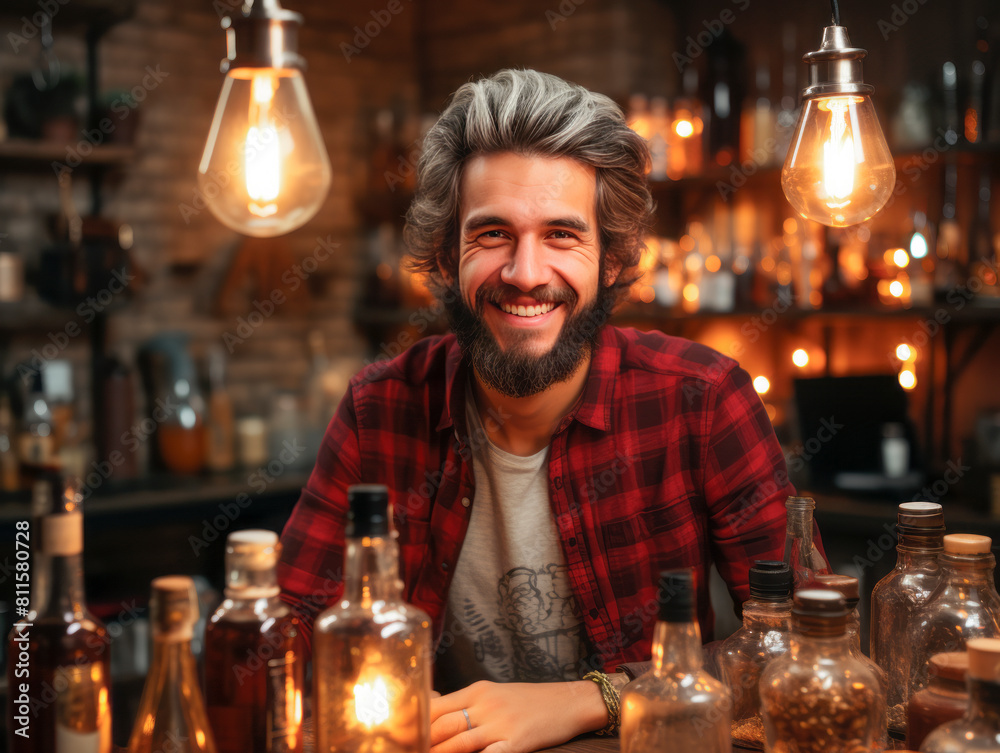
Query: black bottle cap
369, 511
770, 581
675, 593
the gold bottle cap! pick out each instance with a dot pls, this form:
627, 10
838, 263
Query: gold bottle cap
921, 515
967, 543
984, 658
174, 607
843, 584
251, 564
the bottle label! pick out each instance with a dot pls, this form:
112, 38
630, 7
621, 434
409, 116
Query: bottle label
62, 535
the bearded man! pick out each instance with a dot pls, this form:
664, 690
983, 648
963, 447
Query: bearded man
543, 465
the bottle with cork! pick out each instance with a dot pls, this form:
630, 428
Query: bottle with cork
58, 646
964, 605
979, 729
742, 657
254, 654
677, 705
945, 698
172, 711
818, 698
897, 597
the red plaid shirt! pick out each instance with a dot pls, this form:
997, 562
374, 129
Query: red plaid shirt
668, 460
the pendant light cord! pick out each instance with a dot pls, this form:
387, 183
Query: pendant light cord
835, 7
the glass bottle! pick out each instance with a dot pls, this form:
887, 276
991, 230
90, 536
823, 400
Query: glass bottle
254, 654
742, 657
945, 698
9, 475
37, 448
897, 597
849, 588
172, 712
979, 729
964, 605
371, 653
677, 705
801, 554
220, 440
58, 667
818, 698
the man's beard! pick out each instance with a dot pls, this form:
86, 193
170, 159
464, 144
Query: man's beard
516, 372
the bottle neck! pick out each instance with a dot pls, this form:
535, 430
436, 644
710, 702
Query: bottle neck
984, 699
798, 534
767, 615
918, 552
677, 648
371, 571
59, 586
813, 648
968, 570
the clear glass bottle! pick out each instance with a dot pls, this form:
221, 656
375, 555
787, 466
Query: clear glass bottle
945, 698
742, 657
172, 711
254, 654
58, 657
677, 705
849, 588
801, 554
818, 698
372, 651
979, 729
897, 597
964, 605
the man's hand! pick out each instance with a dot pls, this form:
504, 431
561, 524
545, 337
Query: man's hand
515, 717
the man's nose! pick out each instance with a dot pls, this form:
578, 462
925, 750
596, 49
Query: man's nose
528, 266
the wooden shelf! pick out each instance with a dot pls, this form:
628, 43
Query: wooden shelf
44, 153
78, 13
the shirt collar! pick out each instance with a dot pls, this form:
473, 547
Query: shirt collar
593, 409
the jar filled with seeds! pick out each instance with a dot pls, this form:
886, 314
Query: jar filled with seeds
818, 698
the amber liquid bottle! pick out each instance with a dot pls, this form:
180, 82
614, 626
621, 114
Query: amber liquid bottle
371, 656
172, 712
254, 654
58, 666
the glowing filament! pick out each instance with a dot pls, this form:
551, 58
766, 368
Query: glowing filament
838, 156
262, 150
371, 702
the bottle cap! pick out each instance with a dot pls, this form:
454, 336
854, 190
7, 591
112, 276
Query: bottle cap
369, 511
251, 564
845, 585
921, 515
770, 581
984, 658
967, 543
56, 502
819, 613
173, 607
675, 594
952, 665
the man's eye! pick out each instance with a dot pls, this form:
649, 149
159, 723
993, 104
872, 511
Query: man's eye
492, 234
562, 235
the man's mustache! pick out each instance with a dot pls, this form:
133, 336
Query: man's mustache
500, 294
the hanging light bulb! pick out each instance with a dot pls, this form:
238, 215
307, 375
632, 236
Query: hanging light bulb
265, 170
839, 170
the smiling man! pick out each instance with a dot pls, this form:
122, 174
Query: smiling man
543, 465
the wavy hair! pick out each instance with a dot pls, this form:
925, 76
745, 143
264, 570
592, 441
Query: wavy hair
532, 114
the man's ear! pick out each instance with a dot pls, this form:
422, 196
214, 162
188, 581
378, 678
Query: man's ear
611, 272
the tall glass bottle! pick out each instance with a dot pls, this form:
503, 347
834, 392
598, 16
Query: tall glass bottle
677, 705
371, 653
818, 698
742, 657
897, 597
979, 729
801, 554
254, 654
964, 605
172, 711
850, 589
58, 657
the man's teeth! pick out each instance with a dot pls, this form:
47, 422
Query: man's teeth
538, 310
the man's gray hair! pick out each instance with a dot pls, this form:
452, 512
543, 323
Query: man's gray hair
533, 114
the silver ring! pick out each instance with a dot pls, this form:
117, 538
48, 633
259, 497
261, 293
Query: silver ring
468, 721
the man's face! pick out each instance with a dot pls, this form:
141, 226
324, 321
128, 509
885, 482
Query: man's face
529, 272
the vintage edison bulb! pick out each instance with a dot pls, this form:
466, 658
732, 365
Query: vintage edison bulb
265, 170
839, 170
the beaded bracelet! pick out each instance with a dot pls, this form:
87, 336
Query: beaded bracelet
611, 699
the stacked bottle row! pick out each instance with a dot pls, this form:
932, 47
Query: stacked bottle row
371, 670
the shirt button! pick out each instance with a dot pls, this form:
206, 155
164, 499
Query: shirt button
572, 540
444, 566
593, 614
558, 482
466, 502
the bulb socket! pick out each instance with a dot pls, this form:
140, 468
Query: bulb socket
835, 68
265, 35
